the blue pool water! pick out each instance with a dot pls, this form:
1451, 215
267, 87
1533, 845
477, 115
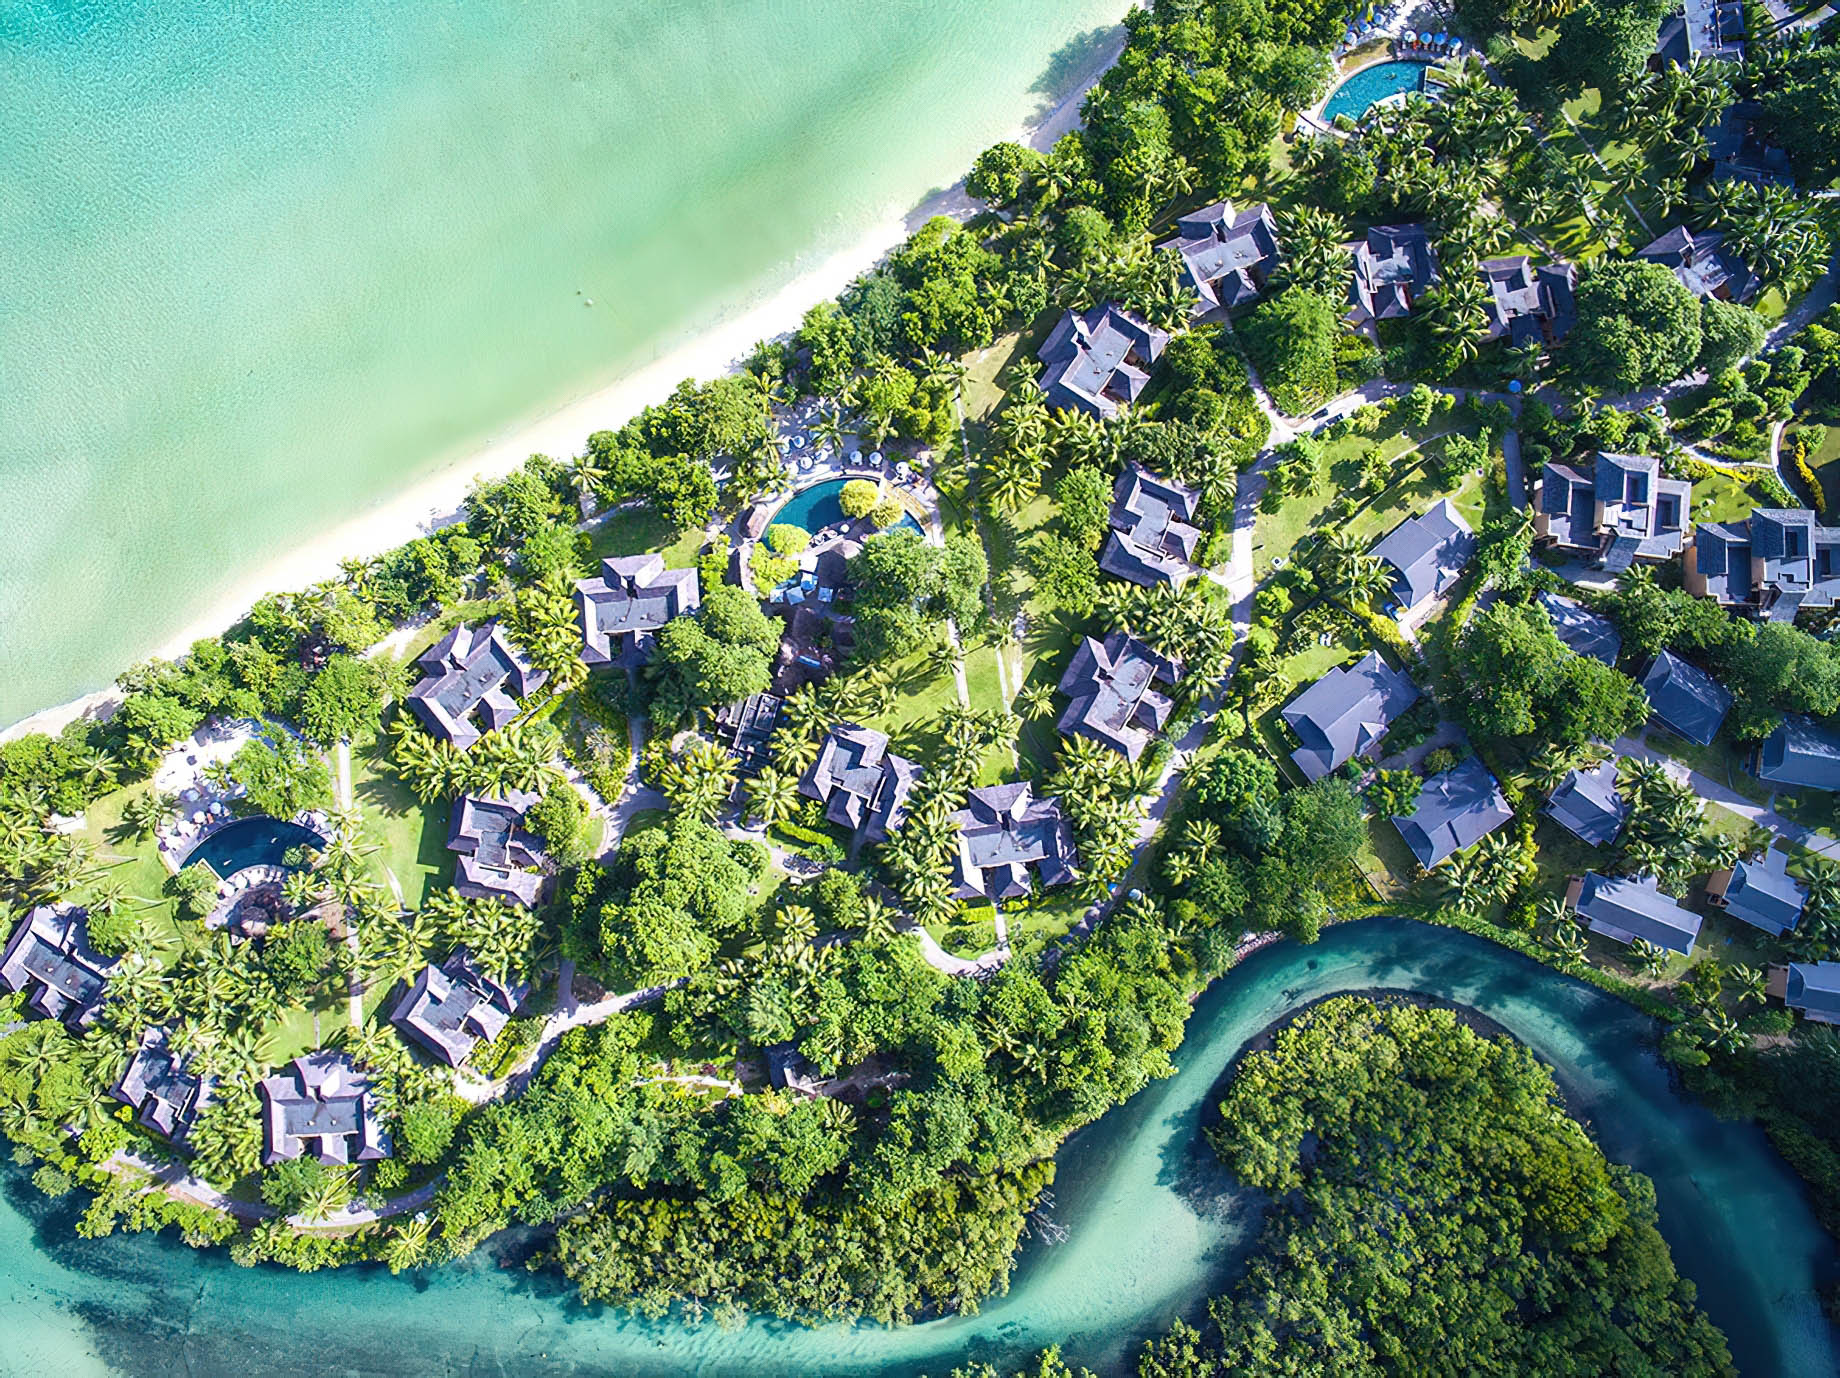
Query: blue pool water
821, 505
1353, 97
250, 842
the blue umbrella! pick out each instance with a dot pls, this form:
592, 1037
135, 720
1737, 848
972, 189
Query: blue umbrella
1443, 38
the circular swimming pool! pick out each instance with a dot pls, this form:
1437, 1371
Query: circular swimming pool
1361, 91
251, 842
821, 505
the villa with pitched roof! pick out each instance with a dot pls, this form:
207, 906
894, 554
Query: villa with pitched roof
1529, 305
48, 959
621, 611
1814, 989
1703, 264
1153, 537
1623, 909
1227, 255
861, 783
471, 681
1455, 810
1588, 806
1763, 895
1347, 713
1579, 630
1004, 833
1777, 562
1427, 553
1099, 361
1685, 699
321, 1105
1800, 754
498, 858
1111, 686
452, 1008
746, 726
1393, 269
1622, 509
165, 1097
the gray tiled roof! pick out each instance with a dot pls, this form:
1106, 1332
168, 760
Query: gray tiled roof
1455, 810
471, 681
1588, 806
1623, 908
451, 1008
1703, 265
1581, 631
1623, 508
497, 854
165, 1096
1685, 699
322, 1104
48, 959
1346, 713
1111, 688
1528, 304
1815, 988
861, 783
1153, 536
1428, 553
1721, 555
1227, 255
1800, 754
1393, 268
1098, 361
1765, 896
1003, 832
621, 611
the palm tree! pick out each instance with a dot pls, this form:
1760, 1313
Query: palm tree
878, 920
772, 795
1720, 1032
793, 751
145, 812
585, 473
828, 431
700, 781
1567, 943
797, 924
1315, 256
99, 769
1750, 983
1035, 699
1010, 478
1650, 959
409, 1244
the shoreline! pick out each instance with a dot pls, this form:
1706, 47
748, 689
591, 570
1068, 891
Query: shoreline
711, 351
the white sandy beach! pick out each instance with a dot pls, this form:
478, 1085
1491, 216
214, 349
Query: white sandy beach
717, 349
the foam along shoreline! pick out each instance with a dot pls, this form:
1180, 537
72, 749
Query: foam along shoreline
717, 349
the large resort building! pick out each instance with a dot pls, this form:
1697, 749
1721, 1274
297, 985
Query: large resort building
621, 611
1346, 713
1099, 361
452, 1008
1393, 269
498, 858
48, 960
1529, 305
1777, 562
471, 681
1004, 833
165, 1096
861, 783
1113, 699
321, 1105
1427, 554
1619, 511
1227, 255
1153, 537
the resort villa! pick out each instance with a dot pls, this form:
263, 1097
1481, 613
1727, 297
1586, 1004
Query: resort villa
1623, 909
322, 1105
450, 1009
1619, 511
1099, 361
1814, 989
1004, 832
861, 783
1703, 265
745, 727
48, 960
1111, 686
1346, 713
165, 1097
1227, 255
1763, 895
1427, 554
1528, 305
1393, 269
621, 611
471, 681
498, 858
1153, 536
1579, 630
1455, 810
1685, 699
1773, 564
1588, 806
1800, 755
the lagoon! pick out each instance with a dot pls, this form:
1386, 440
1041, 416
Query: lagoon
1152, 1224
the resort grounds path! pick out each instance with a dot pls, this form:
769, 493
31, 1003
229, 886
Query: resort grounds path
354, 985
1726, 797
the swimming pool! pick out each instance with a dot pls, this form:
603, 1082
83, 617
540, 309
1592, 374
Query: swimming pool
821, 505
251, 842
1354, 96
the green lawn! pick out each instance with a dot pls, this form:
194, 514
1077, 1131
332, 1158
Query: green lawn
1724, 498
135, 863
474, 610
636, 530
411, 837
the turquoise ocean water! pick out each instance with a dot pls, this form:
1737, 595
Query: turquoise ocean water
266, 265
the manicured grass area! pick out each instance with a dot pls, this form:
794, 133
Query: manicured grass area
301, 1029
411, 837
136, 864
1813, 809
910, 720
635, 530
473, 610
1725, 497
